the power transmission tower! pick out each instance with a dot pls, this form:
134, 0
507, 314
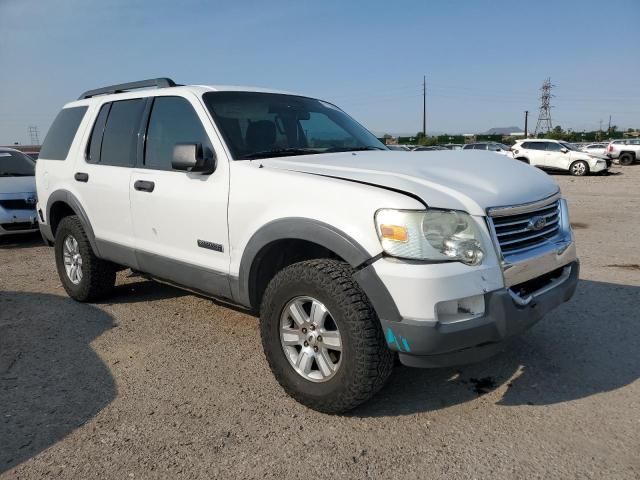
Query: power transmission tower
544, 115
33, 135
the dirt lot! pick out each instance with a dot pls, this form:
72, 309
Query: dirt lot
158, 383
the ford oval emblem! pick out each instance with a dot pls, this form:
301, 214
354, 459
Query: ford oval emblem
537, 223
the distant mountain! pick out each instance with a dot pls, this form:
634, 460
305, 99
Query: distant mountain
502, 130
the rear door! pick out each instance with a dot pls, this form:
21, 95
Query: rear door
180, 218
534, 151
103, 179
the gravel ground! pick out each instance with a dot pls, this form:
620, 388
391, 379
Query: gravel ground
158, 383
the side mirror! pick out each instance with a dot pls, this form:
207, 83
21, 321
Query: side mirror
564, 150
194, 158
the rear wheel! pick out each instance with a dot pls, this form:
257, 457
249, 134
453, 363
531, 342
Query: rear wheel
84, 276
322, 338
579, 168
626, 159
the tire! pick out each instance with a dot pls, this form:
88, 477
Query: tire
579, 168
96, 277
365, 362
523, 160
626, 159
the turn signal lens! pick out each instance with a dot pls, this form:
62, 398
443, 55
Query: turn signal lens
394, 232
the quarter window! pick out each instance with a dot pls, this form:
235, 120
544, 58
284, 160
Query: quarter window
61, 133
173, 120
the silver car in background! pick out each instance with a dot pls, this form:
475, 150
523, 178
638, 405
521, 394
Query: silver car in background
17, 193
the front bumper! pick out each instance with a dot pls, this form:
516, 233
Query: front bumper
13, 222
424, 344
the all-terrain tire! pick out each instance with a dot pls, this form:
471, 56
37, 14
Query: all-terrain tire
366, 361
98, 276
626, 159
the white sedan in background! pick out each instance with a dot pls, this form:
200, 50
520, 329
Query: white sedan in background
595, 148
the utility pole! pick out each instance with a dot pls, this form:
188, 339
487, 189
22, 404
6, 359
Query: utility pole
526, 123
424, 105
609, 129
544, 115
33, 135
600, 131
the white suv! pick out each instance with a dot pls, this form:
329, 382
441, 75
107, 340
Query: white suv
285, 206
556, 155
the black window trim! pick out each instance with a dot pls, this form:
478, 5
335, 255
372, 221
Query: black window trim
139, 134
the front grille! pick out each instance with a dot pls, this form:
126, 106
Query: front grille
17, 204
527, 230
18, 226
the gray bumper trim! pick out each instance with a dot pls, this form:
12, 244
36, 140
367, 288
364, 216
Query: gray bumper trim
435, 345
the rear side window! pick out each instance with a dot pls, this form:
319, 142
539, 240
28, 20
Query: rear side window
173, 120
120, 138
95, 143
60, 136
534, 145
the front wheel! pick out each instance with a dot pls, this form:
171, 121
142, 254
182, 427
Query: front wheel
322, 338
579, 168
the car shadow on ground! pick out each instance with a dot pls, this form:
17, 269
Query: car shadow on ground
585, 347
141, 290
51, 380
23, 240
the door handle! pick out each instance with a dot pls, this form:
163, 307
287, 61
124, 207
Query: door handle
144, 186
81, 177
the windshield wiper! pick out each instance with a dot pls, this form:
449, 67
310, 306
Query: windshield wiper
352, 149
278, 152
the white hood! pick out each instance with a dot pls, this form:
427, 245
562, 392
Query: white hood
11, 185
460, 180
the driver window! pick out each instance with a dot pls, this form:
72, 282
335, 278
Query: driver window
320, 132
553, 147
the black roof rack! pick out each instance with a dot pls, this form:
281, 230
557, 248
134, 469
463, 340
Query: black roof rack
123, 87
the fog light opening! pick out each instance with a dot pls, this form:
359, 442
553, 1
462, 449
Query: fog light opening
460, 310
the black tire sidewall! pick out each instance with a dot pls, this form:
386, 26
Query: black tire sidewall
71, 226
287, 291
626, 159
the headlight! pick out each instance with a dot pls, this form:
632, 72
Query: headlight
438, 235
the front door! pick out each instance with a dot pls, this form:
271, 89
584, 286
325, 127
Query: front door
180, 218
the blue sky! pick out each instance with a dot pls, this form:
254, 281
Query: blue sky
484, 61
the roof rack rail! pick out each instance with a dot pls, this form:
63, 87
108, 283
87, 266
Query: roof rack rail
123, 87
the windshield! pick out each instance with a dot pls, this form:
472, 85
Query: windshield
498, 146
15, 164
569, 146
259, 125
